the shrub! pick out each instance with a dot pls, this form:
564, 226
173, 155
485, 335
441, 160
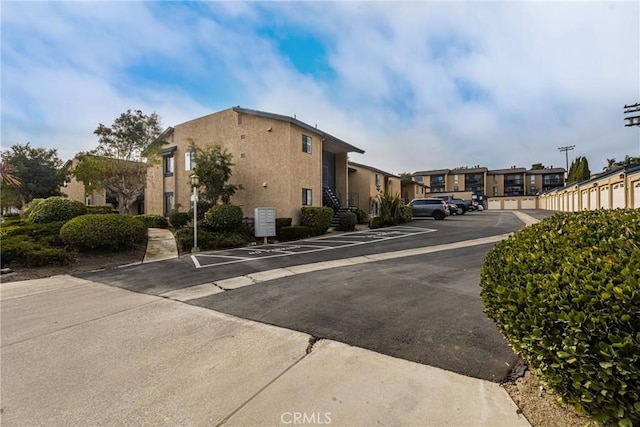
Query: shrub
294, 232
566, 294
377, 222
11, 215
389, 206
47, 233
153, 221
223, 218
208, 240
317, 219
363, 218
26, 210
27, 252
203, 207
283, 222
97, 209
112, 231
405, 214
56, 209
347, 221
179, 219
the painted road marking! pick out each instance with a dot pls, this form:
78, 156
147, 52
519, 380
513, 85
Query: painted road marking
212, 259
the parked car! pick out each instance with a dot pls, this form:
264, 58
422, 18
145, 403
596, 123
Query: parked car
454, 209
436, 208
463, 205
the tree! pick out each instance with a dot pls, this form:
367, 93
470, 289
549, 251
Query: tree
406, 176
579, 170
32, 172
537, 166
611, 164
125, 151
213, 166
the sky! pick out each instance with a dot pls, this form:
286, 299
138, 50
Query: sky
417, 85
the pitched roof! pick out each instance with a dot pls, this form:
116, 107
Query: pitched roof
298, 123
373, 169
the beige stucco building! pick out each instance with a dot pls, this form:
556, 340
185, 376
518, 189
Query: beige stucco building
280, 161
366, 183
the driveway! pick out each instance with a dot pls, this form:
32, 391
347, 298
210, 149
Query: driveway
420, 304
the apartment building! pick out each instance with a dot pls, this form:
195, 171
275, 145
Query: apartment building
478, 180
280, 161
366, 183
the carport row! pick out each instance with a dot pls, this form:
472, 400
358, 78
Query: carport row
304, 246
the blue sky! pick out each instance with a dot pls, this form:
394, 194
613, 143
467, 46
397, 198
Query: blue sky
417, 85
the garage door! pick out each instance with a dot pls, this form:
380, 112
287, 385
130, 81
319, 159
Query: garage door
636, 195
575, 202
528, 204
585, 199
593, 199
604, 197
511, 204
495, 204
618, 196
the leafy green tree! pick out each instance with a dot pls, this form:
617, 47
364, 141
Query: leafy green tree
213, 166
579, 170
406, 176
32, 172
537, 166
611, 164
125, 151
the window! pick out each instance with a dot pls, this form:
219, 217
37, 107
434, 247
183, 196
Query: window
306, 144
495, 190
455, 179
307, 199
533, 179
377, 179
419, 179
456, 188
168, 165
189, 161
168, 203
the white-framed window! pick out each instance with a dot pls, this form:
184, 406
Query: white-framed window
533, 179
189, 161
307, 198
377, 179
455, 178
306, 144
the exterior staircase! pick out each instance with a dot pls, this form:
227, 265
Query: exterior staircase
329, 199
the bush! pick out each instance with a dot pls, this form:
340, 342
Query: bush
27, 252
56, 209
11, 215
203, 207
26, 210
153, 221
294, 232
317, 219
112, 231
97, 209
347, 221
363, 218
179, 219
566, 294
283, 222
378, 222
208, 240
47, 234
223, 218
405, 214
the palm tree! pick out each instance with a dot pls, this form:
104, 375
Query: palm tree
7, 174
611, 163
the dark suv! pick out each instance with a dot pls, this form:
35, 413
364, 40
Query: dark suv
437, 208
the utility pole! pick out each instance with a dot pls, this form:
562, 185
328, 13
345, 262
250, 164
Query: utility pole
566, 154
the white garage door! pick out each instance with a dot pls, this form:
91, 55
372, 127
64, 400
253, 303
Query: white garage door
593, 199
575, 206
636, 195
618, 196
528, 204
585, 199
495, 204
604, 197
511, 204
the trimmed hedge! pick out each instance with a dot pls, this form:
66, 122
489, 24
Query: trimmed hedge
566, 294
112, 231
153, 221
223, 218
179, 219
317, 219
380, 222
29, 252
283, 222
347, 221
47, 233
26, 210
363, 218
294, 232
56, 209
208, 240
98, 209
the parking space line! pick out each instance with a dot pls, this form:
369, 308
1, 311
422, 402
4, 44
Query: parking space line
225, 256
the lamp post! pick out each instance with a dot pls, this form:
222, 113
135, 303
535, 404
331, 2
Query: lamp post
195, 181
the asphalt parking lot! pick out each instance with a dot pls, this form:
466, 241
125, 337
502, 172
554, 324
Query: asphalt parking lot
423, 308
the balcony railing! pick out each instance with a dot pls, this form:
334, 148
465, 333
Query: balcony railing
513, 182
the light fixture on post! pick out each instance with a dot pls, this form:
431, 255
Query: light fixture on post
195, 182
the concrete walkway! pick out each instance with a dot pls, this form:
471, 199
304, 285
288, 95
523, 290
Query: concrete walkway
75, 352
161, 245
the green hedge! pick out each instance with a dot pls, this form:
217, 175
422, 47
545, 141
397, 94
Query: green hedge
28, 252
223, 218
47, 233
179, 219
363, 218
101, 209
405, 214
566, 294
347, 221
208, 240
294, 232
380, 222
26, 210
56, 209
153, 221
112, 231
317, 219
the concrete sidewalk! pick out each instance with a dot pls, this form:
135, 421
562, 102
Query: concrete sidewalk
79, 353
161, 245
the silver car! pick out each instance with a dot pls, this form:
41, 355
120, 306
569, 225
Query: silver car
436, 208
